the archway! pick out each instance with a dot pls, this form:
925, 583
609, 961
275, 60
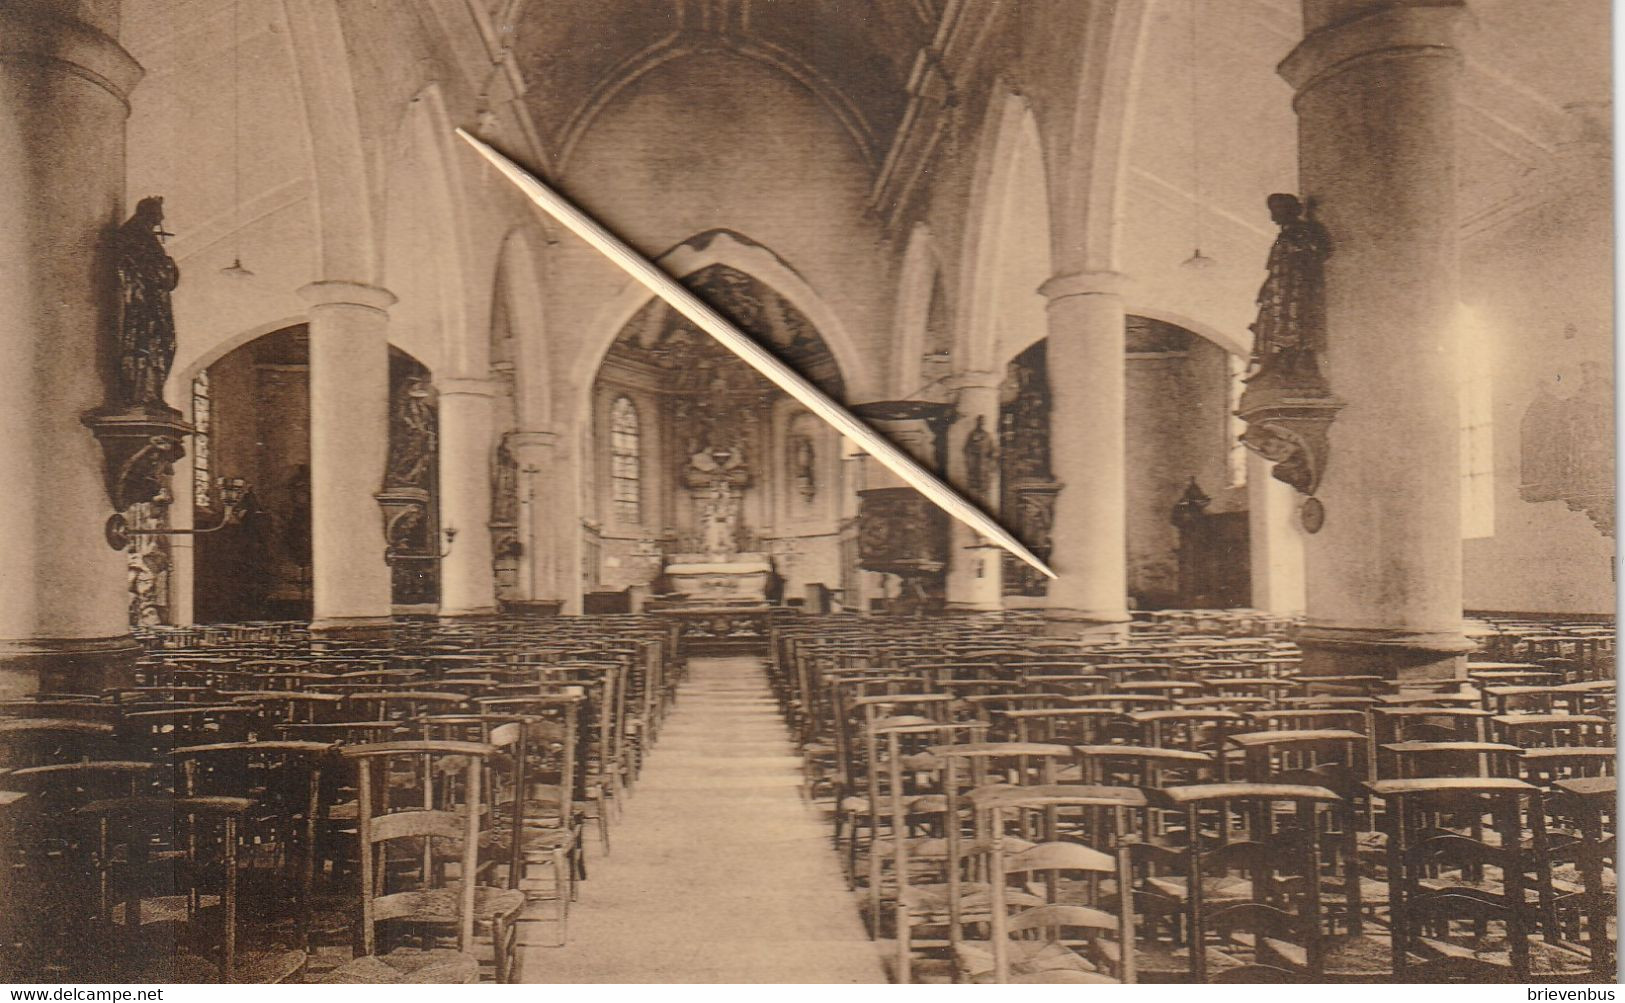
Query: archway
1185, 547
696, 458
251, 407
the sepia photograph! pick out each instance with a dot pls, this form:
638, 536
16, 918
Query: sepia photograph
807, 492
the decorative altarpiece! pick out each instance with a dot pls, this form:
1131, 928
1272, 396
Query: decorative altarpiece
715, 413
1027, 487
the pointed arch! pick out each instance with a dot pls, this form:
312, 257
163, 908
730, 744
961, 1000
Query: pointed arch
1008, 243
1092, 192
721, 247
917, 283
345, 227
518, 293
425, 245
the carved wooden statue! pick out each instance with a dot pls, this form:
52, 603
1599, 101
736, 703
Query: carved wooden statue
1290, 332
412, 438
146, 322
980, 456
504, 486
1288, 406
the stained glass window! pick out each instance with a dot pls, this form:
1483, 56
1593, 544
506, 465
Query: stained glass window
202, 443
625, 465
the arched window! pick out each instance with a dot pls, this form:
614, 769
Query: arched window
202, 442
625, 465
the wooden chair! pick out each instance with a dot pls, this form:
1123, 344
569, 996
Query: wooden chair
1550, 730
284, 779
409, 888
1591, 803
1440, 882
535, 824
168, 872
1264, 923
903, 811
1066, 889
946, 899
16, 918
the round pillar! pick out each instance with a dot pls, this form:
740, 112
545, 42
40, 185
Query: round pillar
1376, 102
975, 566
1087, 442
349, 445
64, 601
1274, 541
535, 453
467, 585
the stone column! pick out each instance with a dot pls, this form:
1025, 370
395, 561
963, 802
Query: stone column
1275, 541
975, 579
467, 586
540, 514
349, 445
1376, 100
1087, 441
64, 84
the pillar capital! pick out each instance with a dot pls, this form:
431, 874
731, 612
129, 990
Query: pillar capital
531, 447
1349, 34
73, 46
342, 292
975, 379
465, 386
1068, 284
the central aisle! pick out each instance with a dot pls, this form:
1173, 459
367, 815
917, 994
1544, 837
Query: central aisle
721, 871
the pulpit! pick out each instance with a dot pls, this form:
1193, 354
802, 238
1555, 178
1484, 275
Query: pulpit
900, 531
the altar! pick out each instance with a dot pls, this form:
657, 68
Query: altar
713, 577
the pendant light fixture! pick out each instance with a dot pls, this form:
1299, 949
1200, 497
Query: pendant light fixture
235, 269
1197, 261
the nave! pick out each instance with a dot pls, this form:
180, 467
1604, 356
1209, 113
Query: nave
363, 526
724, 874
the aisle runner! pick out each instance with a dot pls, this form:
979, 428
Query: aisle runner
720, 871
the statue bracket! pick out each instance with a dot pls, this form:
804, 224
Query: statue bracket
1289, 426
139, 451
406, 513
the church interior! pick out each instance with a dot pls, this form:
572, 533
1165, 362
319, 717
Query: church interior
396, 591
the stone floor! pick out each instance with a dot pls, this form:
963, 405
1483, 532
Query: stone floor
720, 871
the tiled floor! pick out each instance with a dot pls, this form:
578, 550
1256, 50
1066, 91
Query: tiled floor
721, 871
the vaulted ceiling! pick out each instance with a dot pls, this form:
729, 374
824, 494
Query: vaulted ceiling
854, 55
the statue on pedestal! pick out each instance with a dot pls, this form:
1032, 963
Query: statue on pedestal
980, 456
146, 321
504, 486
412, 437
1290, 332
1288, 406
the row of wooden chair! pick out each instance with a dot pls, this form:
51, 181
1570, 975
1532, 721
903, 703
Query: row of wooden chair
1424, 815
258, 795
